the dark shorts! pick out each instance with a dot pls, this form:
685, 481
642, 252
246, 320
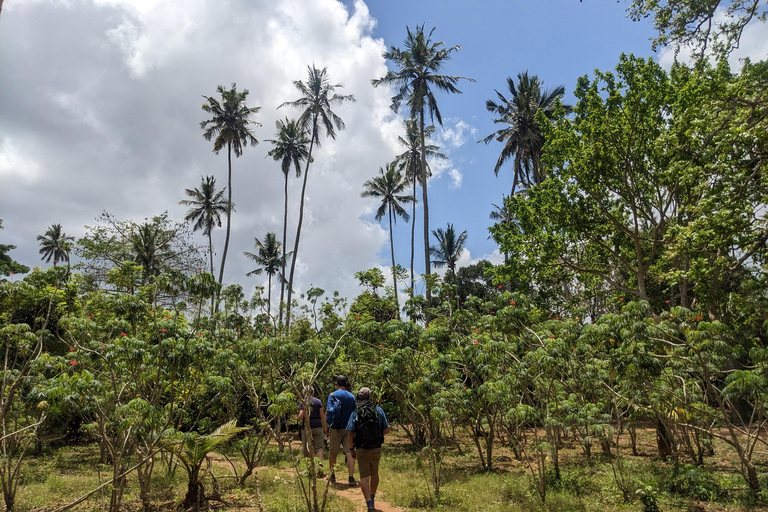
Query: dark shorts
368, 462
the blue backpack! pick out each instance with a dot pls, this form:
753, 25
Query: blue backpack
333, 412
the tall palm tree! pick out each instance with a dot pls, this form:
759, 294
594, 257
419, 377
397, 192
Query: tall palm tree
268, 257
290, 148
449, 248
410, 162
389, 186
55, 244
229, 127
207, 205
316, 119
414, 79
522, 136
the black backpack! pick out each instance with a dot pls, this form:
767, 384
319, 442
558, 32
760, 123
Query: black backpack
368, 433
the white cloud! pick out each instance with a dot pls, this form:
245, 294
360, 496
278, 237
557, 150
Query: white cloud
105, 115
456, 178
454, 133
753, 45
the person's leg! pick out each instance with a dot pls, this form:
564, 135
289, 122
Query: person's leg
364, 467
374, 480
333, 450
351, 466
364, 485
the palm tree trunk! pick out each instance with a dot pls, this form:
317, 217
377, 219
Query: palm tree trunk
413, 235
210, 253
229, 216
426, 205
285, 235
392, 250
295, 254
269, 294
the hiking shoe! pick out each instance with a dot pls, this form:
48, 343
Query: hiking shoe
332, 479
352, 482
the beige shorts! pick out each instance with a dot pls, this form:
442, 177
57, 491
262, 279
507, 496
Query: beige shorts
368, 462
338, 438
318, 438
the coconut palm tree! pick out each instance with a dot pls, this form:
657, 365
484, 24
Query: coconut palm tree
449, 248
290, 149
410, 162
522, 136
389, 186
55, 244
268, 257
151, 246
316, 119
229, 127
415, 79
207, 205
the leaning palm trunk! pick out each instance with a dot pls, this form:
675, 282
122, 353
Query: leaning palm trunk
298, 229
285, 236
392, 250
229, 223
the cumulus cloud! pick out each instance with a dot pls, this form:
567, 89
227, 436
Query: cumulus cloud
105, 115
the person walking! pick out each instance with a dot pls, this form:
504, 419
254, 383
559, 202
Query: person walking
367, 427
313, 438
341, 404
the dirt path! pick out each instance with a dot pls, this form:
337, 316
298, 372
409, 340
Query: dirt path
355, 495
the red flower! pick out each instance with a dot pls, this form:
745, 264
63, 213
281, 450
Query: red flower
72, 349
231, 347
199, 334
475, 330
357, 317
199, 268
666, 301
465, 388
382, 346
513, 303
552, 336
499, 286
493, 312
123, 334
621, 298
476, 342
165, 330
73, 363
266, 328
698, 318
102, 347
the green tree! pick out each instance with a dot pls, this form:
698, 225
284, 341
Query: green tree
317, 119
7, 265
270, 261
290, 148
522, 137
449, 248
389, 186
693, 23
410, 162
230, 127
207, 205
55, 244
415, 80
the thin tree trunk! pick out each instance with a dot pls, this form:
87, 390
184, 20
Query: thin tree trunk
210, 252
426, 206
229, 216
295, 255
413, 235
285, 236
392, 250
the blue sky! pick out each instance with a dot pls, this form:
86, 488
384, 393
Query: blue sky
100, 110
559, 43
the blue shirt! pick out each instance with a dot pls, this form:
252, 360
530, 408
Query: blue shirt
348, 404
379, 414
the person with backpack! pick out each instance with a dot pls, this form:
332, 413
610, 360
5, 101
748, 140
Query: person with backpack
340, 406
314, 437
367, 427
